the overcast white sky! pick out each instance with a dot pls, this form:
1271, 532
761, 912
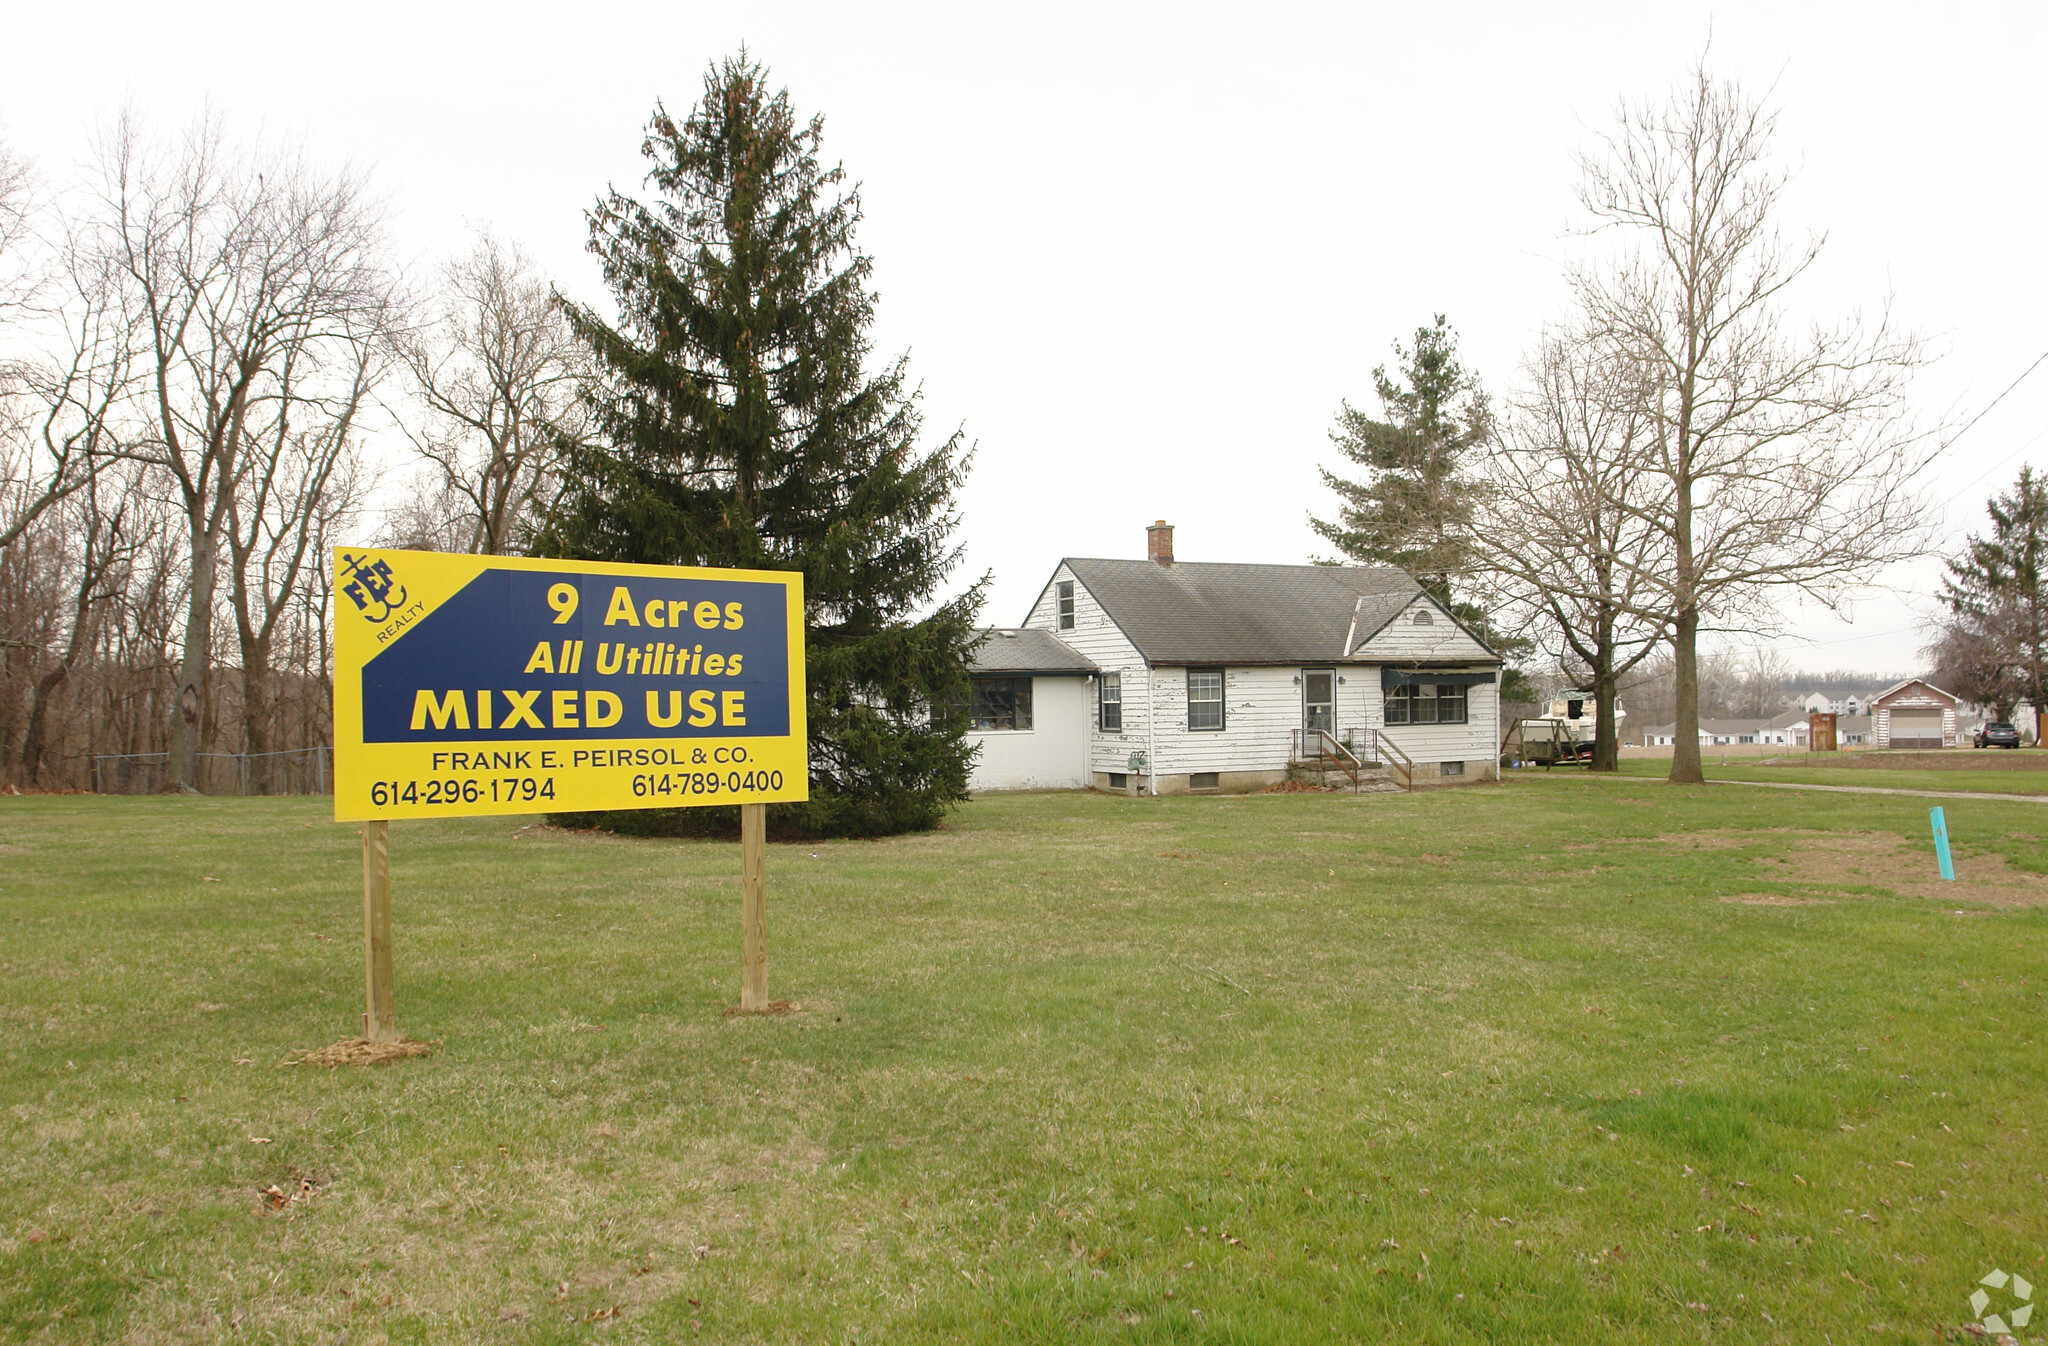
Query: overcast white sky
1142, 252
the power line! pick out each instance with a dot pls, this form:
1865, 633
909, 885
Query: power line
1980, 416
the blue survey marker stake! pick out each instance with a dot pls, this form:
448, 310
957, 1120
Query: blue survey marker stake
1948, 866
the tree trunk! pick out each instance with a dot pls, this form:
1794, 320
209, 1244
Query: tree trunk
1685, 749
188, 708
38, 713
256, 713
1606, 741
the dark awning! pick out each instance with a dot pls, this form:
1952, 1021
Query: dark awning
1409, 677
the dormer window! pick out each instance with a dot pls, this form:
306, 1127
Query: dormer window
1423, 617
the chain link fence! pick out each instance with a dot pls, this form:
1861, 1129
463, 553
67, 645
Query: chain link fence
295, 771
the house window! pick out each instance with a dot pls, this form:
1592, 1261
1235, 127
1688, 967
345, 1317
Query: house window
1203, 780
1002, 703
1110, 695
1205, 698
1119, 781
1423, 617
1066, 605
1451, 768
1429, 703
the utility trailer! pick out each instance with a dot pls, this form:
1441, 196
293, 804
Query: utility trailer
1544, 743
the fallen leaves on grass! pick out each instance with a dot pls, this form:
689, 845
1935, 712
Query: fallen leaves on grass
363, 1052
283, 1196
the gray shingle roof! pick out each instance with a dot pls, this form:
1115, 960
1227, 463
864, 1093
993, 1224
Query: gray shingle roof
1007, 649
1195, 612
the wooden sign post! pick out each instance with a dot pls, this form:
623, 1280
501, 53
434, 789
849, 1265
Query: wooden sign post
469, 686
754, 908
380, 1019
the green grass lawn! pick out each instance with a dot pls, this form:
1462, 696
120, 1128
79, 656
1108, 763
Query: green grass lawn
1978, 780
1498, 1064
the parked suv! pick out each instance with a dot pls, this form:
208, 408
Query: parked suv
1997, 734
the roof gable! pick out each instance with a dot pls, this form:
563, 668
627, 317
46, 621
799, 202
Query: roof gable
1903, 689
1391, 630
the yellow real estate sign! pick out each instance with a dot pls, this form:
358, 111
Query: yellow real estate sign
486, 684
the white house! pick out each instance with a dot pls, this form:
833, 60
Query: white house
1207, 675
1851, 704
1033, 699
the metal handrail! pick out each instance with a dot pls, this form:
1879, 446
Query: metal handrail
1401, 762
1330, 747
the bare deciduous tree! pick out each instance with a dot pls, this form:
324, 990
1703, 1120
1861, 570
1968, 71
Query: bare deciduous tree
1565, 536
497, 373
102, 540
257, 282
298, 479
1790, 460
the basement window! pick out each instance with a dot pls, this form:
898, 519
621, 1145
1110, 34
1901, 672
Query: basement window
1119, 781
1451, 768
1204, 780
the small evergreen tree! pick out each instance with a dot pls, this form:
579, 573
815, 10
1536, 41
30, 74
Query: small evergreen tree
1999, 608
1414, 508
734, 422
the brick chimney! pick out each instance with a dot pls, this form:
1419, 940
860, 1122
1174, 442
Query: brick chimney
1159, 543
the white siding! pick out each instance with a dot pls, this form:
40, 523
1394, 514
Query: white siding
1402, 639
1047, 756
1100, 639
1261, 711
1471, 742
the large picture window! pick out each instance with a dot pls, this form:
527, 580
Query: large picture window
1205, 698
1002, 703
1429, 703
1112, 700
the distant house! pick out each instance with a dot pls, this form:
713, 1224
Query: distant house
1029, 712
1207, 676
1724, 733
1915, 714
1851, 704
1787, 730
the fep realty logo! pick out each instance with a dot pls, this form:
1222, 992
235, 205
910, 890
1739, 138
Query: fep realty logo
2007, 1305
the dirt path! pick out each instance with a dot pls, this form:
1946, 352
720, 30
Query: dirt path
1885, 790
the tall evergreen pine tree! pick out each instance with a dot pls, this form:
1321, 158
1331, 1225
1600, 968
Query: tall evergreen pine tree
1414, 508
735, 423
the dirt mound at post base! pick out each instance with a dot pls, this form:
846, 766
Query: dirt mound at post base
363, 1052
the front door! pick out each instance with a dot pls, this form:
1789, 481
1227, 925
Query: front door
1319, 700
